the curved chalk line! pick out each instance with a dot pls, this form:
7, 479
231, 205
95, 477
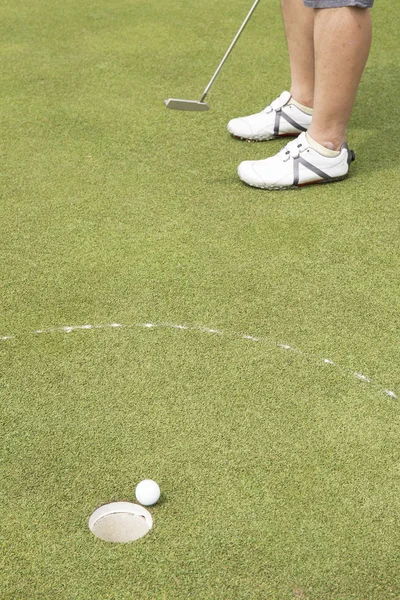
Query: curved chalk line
252, 338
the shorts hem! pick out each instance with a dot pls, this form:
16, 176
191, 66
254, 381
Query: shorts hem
338, 3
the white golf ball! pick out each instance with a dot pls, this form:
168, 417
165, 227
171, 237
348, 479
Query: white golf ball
147, 492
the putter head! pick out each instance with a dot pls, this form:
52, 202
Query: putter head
194, 105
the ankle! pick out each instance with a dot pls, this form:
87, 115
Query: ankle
304, 99
329, 141
328, 145
327, 149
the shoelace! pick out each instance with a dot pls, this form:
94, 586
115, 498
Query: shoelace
273, 106
292, 150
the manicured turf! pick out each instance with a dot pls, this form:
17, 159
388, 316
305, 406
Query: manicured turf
279, 471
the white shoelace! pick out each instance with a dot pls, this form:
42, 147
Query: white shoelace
277, 103
292, 150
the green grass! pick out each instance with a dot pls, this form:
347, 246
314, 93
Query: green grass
279, 473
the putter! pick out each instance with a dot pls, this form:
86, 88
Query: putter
199, 105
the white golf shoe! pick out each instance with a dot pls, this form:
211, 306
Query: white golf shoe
297, 164
280, 118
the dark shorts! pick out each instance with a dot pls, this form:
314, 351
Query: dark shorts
338, 3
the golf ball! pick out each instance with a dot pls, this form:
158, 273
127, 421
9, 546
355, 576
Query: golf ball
147, 492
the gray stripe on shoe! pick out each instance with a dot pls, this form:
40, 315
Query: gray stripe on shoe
293, 122
296, 176
279, 114
313, 168
277, 121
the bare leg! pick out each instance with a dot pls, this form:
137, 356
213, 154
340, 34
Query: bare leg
342, 40
299, 27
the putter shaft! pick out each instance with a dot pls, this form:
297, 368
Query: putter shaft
200, 105
227, 53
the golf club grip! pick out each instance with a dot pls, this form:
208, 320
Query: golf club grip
229, 50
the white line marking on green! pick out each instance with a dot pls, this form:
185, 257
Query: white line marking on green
285, 346
329, 362
362, 377
71, 328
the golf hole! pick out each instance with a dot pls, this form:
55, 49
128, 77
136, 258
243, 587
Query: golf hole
120, 522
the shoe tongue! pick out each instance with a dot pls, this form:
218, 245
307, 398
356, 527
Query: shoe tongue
293, 145
281, 101
284, 98
302, 139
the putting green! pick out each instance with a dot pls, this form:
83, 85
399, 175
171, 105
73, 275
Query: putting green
279, 471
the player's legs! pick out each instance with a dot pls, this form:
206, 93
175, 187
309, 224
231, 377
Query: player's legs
299, 28
342, 40
342, 34
290, 113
